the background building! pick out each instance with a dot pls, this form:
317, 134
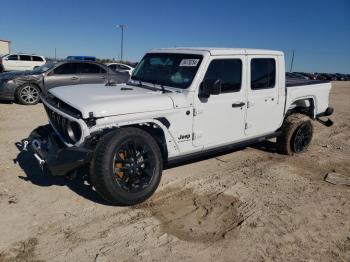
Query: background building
5, 47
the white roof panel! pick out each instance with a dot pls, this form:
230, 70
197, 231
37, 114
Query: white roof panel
218, 51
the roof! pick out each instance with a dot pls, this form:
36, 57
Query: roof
26, 54
219, 51
2, 40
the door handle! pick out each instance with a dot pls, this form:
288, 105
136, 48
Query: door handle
238, 104
103, 77
75, 78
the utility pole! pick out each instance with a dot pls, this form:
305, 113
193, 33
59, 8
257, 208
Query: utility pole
291, 64
55, 54
122, 27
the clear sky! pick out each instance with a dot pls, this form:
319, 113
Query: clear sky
319, 31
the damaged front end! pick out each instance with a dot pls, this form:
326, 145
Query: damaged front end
50, 152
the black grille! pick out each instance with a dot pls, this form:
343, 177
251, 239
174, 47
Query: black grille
59, 122
64, 107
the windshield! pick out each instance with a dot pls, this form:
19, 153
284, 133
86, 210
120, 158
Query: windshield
173, 70
44, 68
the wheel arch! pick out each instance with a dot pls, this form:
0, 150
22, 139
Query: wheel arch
30, 83
303, 105
157, 129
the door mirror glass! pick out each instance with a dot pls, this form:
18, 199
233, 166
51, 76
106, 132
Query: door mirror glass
210, 86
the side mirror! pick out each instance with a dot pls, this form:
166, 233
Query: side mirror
209, 87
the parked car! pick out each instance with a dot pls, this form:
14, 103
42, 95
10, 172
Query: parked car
324, 76
301, 75
119, 67
82, 58
26, 86
340, 77
180, 103
20, 62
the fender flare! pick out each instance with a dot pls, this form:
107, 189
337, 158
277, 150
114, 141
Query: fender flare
310, 97
171, 145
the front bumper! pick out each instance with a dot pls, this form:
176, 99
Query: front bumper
51, 152
7, 91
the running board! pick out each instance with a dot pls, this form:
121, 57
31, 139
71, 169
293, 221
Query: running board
221, 149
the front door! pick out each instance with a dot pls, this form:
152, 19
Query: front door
63, 75
12, 63
264, 109
219, 119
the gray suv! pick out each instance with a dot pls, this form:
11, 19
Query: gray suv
26, 86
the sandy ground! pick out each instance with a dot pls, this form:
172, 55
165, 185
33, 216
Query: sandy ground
247, 205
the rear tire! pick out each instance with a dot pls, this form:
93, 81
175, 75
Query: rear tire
127, 166
297, 132
28, 94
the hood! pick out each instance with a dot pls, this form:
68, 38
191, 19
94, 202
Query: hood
112, 100
16, 74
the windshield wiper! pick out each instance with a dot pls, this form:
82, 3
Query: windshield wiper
161, 84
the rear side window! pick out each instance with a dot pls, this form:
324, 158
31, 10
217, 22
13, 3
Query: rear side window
229, 71
66, 69
122, 67
12, 57
25, 58
37, 58
263, 73
89, 68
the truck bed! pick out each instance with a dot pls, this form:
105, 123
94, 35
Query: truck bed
303, 82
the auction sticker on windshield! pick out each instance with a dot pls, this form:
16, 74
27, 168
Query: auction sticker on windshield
189, 62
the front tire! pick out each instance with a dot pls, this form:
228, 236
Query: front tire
297, 132
28, 94
127, 166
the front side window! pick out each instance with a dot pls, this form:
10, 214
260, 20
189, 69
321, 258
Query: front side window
228, 71
263, 73
44, 68
12, 57
123, 67
66, 69
25, 58
173, 70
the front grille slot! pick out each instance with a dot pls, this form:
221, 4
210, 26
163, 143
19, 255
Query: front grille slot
59, 122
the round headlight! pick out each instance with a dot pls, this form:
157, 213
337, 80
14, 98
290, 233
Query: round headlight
73, 131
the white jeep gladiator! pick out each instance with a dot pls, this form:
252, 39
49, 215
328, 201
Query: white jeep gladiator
178, 104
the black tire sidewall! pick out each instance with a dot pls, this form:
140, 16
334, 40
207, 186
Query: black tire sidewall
103, 178
292, 140
285, 142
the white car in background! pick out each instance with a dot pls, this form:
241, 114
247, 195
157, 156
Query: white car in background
19, 62
119, 67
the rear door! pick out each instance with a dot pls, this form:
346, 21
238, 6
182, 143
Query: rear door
264, 110
62, 75
219, 119
90, 73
